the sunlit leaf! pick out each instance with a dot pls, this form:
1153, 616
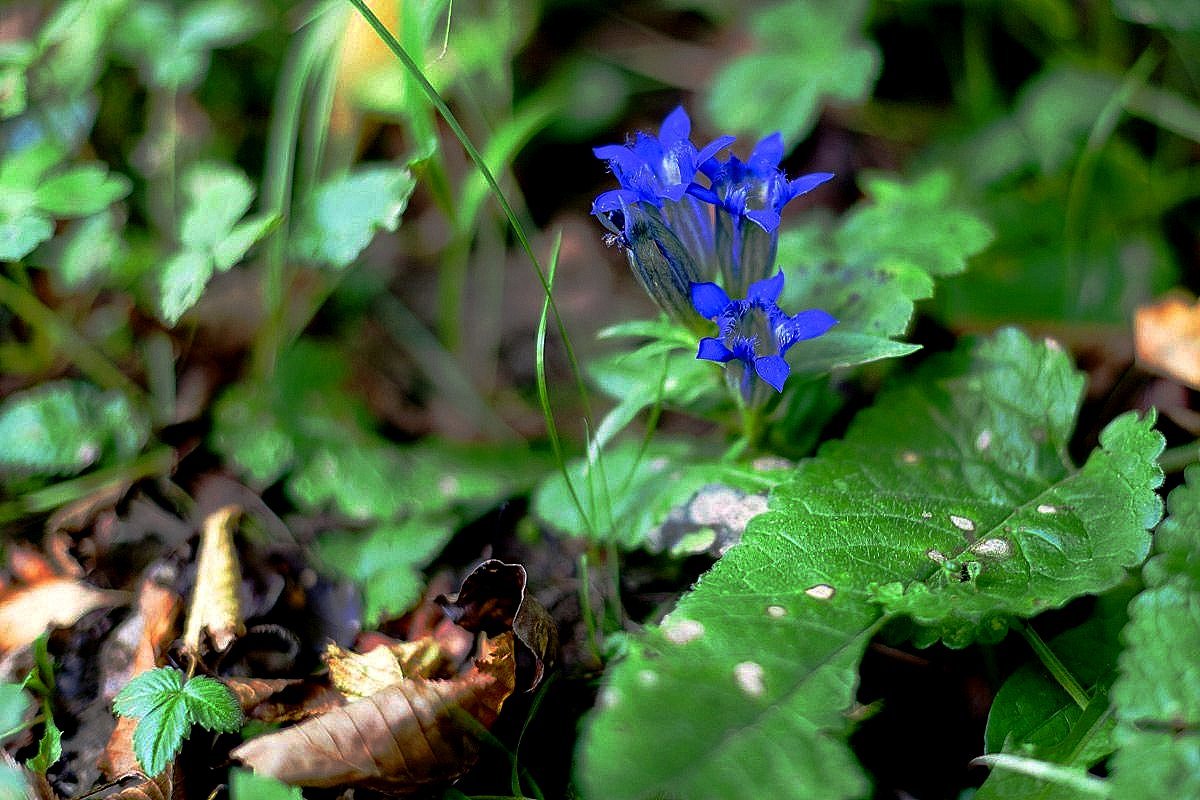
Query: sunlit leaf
211, 705
245, 785
343, 215
160, 734
62, 427
805, 52
82, 190
951, 500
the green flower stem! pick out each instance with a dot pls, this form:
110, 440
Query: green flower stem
82, 353
155, 462
1056, 668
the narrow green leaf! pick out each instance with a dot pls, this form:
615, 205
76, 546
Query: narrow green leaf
82, 190
211, 705
160, 733
147, 691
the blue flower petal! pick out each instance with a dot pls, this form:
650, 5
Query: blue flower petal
806, 325
767, 154
772, 369
676, 127
712, 148
767, 290
708, 299
712, 349
765, 218
806, 183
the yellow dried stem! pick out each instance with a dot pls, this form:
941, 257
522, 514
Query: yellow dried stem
215, 607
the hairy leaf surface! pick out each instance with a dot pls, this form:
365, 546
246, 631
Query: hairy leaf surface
952, 500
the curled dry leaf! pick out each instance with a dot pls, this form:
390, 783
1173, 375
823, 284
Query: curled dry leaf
28, 611
215, 606
493, 599
361, 674
1167, 338
284, 699
412, 735
159, 787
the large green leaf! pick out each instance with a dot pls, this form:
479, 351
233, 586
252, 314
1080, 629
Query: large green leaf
805, 51
742, 691
1157, 695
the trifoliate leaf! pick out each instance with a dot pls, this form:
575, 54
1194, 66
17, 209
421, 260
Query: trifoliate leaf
912, 225
160, 733
749, 678
211, 705
147, 691
62, 427
343, 215
1157, 693
804, 52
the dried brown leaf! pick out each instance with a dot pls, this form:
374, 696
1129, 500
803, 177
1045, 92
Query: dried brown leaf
493, 599
284, 699
143, 788
1167, 339
412, 735
215, 605
28, 611
361, 674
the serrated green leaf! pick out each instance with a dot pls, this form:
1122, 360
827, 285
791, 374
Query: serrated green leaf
1157, 693
343, 215
82, 190
49, 746
965, 461
246, 785
386, 561
182, 281
217, 197
211, 705
14, 702
912, 225
804, 52
160, 733
147, 691
62, 427
230, 250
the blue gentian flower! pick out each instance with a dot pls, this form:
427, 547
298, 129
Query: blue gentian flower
754, 332
666, 232
749, 197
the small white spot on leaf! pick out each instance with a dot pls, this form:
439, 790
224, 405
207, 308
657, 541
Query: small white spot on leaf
448, 485
683, 631
607, 698
1052, 344
749, 677
647, 677
909, 457
935, 556
984, 440
962, 523
1046, 508
776, 612
993, 548
822, 591
926, 515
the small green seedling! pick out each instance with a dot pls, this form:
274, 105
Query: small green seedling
168, 704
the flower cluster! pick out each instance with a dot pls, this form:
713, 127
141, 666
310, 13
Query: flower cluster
681, 234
